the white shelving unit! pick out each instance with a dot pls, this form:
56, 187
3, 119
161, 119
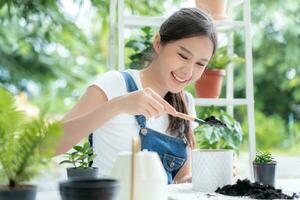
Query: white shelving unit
228, 27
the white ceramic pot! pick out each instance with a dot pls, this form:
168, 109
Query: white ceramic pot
150, 177
211, 168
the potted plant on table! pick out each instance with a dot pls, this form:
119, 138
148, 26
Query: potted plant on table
209, 85
26, 144
83, 181
264, 168
212, 162
81, 158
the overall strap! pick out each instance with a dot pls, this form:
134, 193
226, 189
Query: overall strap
130, 83
131, 87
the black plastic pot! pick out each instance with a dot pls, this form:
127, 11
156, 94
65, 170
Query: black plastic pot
24, 192
265, 173
82, 173
96, 189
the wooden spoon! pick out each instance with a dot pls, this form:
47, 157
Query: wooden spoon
211, 120
135, 149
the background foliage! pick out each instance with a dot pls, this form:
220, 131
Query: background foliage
25, 143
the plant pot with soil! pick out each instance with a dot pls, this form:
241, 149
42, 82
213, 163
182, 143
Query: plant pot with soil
212, 162
227, 136
26, 144
209, 85
264, 168
81, 159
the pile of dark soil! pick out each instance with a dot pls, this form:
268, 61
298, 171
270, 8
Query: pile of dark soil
214, 122
254, 190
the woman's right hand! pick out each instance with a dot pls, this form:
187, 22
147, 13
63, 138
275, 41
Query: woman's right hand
145, 102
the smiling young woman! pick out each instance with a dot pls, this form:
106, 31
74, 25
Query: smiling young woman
120, 105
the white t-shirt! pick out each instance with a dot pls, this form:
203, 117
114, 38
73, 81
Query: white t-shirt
116, 135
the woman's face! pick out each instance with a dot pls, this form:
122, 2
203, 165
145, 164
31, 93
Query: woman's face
182, 61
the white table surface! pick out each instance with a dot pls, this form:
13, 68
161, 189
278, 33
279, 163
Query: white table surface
185, 191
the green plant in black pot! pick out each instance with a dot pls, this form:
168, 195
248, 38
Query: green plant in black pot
80, 158
83, 182
229, 136
141, 49
264, 168
26, 144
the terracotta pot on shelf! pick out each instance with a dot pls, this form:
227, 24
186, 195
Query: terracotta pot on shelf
210, 83
217, 8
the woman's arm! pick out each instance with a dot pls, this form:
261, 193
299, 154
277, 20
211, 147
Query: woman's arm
92, 111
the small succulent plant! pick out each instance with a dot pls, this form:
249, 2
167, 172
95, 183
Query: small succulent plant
263, 157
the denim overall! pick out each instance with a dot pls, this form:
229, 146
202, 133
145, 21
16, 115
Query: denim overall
171, 150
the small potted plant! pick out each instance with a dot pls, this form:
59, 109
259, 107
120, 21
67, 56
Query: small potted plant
209, 85
264, 168
83, 181
80, 159
214, 156
26, 144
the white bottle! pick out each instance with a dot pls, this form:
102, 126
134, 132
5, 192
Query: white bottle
150, 177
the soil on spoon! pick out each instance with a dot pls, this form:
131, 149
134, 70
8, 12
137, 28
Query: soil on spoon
214, 122
254, 190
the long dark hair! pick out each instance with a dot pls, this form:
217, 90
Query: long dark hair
185, 23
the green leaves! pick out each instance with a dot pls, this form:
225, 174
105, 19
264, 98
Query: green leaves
49, 143
141, 49
271, 131
41, 46
275, 58
263, 157
81, 157
221, 59
77, 148
210, 137
25, 143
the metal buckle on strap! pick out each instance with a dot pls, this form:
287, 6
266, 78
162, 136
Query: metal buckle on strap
144, 131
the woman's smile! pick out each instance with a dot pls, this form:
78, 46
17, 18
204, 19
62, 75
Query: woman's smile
179, 79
